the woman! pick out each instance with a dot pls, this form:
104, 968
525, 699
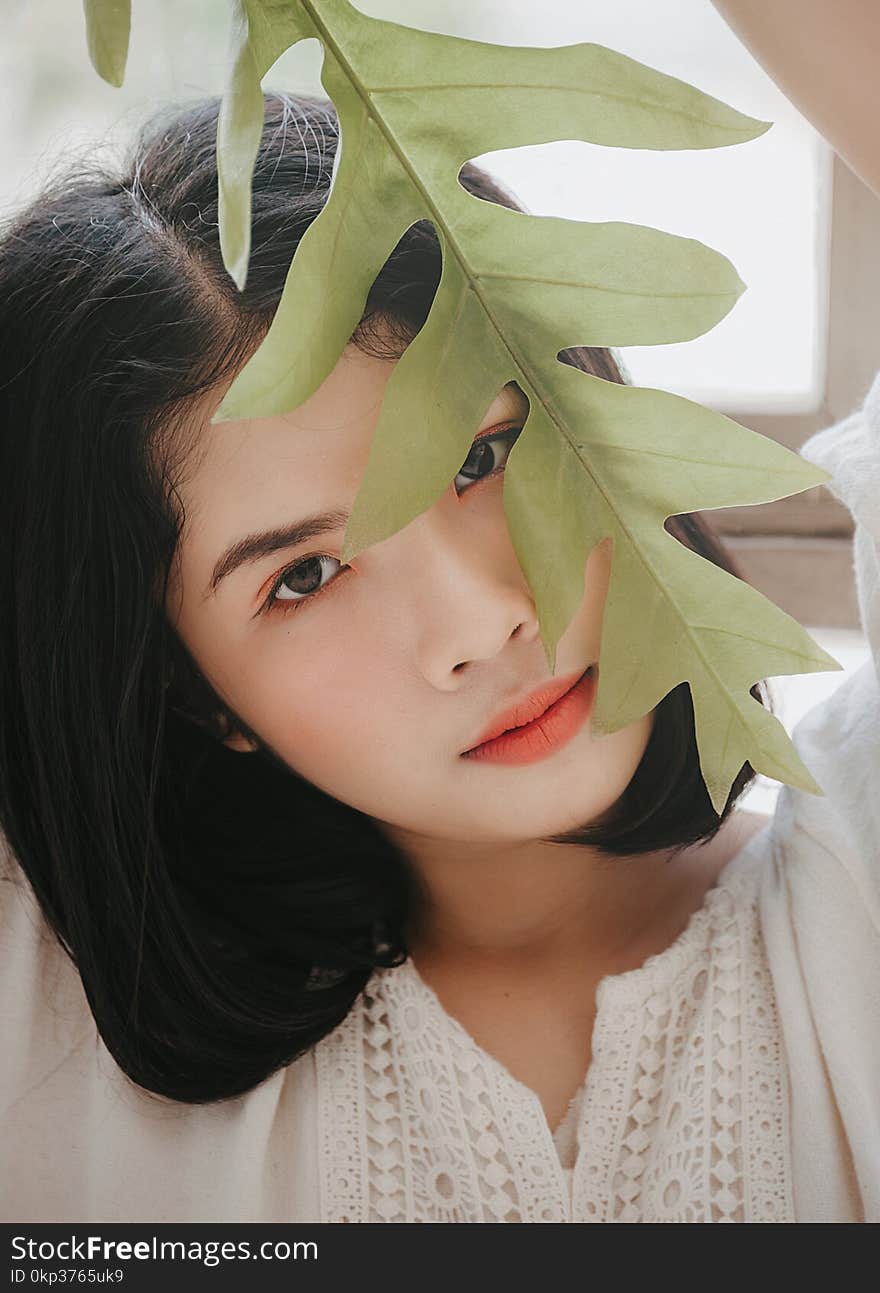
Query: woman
350, 960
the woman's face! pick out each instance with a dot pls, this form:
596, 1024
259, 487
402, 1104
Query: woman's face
373, 687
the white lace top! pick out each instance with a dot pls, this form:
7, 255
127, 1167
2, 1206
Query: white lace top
682, 1116
734, 1077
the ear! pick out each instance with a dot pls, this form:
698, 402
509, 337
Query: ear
241, 744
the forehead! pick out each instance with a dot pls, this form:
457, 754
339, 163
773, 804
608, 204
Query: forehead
248, 477
322, 445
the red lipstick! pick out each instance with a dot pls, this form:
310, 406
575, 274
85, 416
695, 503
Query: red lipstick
539, 724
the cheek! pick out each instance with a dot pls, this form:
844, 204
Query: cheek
323, 707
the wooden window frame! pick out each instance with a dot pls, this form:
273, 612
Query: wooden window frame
798, 551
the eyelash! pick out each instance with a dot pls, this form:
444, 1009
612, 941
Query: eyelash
287, 606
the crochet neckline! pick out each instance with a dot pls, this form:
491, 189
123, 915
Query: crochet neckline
681, 1115
655, 973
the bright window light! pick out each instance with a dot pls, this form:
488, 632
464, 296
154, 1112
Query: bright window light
764, 204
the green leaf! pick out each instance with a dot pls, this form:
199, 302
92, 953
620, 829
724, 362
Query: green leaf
108, 25
594, 459
671, 616
260, 33
413, 107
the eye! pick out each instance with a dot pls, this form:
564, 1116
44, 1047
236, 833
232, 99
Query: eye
488, 455
300, 582
303, 581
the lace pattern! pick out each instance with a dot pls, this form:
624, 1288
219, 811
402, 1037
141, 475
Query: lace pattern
684, 1113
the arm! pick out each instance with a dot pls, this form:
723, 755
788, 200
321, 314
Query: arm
825, 57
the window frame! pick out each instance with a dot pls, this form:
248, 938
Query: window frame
798, 550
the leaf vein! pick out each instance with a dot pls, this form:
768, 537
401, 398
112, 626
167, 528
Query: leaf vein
557, 89
598, 287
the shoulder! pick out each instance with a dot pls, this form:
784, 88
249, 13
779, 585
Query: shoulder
24, 933
839, 741
819, 907
820, 894
44, 1014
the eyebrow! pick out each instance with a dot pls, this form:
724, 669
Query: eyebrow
255, 546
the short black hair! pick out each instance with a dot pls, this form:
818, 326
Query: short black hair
223, 913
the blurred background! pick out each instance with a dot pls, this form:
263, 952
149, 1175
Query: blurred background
796, 353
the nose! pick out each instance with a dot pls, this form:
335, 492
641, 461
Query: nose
467, 594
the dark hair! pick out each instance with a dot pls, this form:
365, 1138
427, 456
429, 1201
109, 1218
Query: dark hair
211, 952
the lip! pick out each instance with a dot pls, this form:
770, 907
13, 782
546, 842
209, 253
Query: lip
523, 717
